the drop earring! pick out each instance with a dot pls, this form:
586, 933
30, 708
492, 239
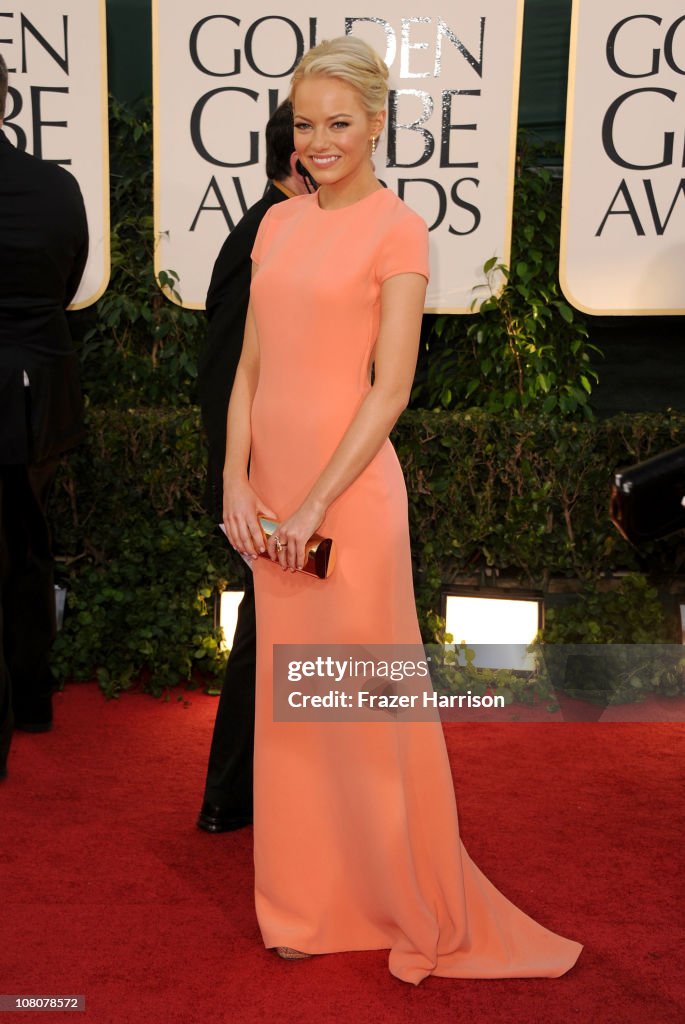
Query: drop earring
373, 145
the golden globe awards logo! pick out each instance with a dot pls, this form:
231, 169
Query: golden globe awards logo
448, 148
657, 46
411, 110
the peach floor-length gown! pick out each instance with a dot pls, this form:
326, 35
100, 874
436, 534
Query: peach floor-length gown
355, 824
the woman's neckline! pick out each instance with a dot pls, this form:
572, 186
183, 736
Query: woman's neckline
349, 206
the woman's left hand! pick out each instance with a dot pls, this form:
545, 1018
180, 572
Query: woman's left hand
293, 534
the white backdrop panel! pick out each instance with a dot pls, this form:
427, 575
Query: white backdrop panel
220, 68
623, 232
56, 53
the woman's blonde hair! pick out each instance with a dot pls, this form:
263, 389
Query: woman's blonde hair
353, 61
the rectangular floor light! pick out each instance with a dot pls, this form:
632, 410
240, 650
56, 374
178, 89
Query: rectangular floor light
499, 628
228, 615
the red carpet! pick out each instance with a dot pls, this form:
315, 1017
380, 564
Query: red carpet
110, 891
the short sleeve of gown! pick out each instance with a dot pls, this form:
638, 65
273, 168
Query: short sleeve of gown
404, 249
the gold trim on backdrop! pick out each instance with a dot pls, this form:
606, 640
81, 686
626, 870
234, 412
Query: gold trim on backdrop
106, 210
499, 233
568, 149
506, 256
156, 177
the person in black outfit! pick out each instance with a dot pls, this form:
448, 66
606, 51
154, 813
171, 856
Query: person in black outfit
43, 250
227, 801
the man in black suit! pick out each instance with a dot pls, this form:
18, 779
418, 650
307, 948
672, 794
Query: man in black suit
228, 789
43, 250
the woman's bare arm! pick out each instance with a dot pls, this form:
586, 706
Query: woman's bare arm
241, 504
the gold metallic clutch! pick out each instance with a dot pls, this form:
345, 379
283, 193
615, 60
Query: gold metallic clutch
319, 551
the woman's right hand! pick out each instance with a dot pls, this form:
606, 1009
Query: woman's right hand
241, 507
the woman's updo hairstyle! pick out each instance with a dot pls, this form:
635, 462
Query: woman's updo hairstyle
351, 60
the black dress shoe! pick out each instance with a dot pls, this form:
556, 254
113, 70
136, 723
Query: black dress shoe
37, 726
213, 818
34, 716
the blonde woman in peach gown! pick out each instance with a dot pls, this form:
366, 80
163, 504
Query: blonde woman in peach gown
355, 824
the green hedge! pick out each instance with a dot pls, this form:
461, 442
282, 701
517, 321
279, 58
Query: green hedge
138, 556
491, 498
525, 498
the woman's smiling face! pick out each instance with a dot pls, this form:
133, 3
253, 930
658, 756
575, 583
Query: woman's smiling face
333, 130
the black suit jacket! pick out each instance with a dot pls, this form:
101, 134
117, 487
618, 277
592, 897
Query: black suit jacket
227, 302
43, 250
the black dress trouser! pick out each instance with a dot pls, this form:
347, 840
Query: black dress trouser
229, 774
27, 598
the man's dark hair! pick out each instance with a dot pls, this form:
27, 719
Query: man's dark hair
279, 142
3, 86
